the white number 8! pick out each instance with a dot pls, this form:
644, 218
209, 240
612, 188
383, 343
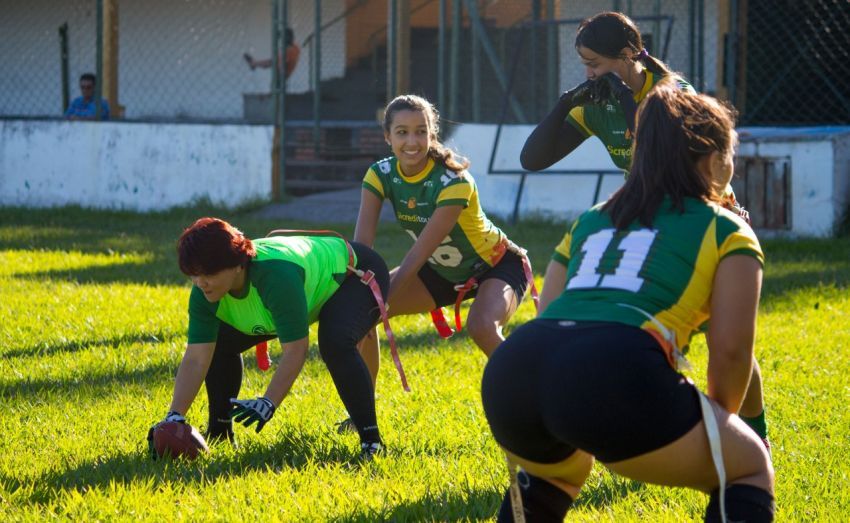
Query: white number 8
446, 255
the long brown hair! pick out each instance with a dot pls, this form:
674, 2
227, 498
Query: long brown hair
675, 128
608, 32
439, 152
211, 245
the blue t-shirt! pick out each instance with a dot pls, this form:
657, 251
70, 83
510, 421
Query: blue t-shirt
82, 109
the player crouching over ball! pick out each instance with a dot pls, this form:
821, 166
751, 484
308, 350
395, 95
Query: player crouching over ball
245, 292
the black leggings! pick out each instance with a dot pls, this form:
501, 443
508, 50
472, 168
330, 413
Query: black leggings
606, 388
343, 321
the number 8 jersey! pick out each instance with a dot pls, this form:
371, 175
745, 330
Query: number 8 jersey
474, 243
656, 279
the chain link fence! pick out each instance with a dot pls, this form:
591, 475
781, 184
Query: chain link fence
781, 62
794, 62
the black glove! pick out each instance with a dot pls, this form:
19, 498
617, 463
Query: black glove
579, 95
609, 84
248, 412
171, 416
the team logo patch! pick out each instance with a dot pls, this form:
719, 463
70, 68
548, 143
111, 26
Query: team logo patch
628, 134
259, 330
384, 167
411, 203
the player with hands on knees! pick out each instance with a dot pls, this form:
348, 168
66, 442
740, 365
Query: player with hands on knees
457, 253
248, 291
597, 375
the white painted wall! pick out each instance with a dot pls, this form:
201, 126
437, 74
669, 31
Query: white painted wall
177, 58
820, 173
141, 167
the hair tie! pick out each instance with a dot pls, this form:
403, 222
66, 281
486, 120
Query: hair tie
642, 54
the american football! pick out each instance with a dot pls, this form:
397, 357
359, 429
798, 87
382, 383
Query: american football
175, 439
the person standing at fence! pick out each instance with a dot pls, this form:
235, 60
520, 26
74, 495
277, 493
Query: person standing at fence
596, 375
245, 292
457, 252
85, 107
620, 74
286, 60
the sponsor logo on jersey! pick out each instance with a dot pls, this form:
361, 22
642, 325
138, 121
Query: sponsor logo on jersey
428, 183
259, 330
623, 152
397, 180
411, 218
384, 167
609, 108
411, 203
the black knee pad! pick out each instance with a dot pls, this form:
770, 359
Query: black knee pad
541, 501
743, 503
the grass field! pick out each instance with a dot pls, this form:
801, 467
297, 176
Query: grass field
92, 322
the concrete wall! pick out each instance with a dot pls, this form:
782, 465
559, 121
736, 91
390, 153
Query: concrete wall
556, 196
141, 167
820, 173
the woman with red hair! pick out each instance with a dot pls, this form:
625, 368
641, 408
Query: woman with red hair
245, 292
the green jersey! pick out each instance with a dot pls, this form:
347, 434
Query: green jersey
473, 245
608, 122
640, 276
287, 283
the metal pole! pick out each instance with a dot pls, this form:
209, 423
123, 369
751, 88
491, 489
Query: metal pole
391, 49
731, 62
692, 48
656, 29
454, 60
98, 85
441, 56
476, 74
535, 18
283, 10
63, 52
551, 53
316, 59
701, 44
277, 101
403, 43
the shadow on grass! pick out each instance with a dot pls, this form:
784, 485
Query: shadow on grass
157, 272
95, 383
471, 505
838, 275
50, 349
291, 451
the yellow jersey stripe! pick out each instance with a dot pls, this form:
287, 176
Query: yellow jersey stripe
695, 298
373, 182
460, 191
577, 114
418, 177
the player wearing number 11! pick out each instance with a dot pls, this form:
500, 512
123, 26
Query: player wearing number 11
436, 202
596, 375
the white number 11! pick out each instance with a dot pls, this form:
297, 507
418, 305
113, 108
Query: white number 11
635, 246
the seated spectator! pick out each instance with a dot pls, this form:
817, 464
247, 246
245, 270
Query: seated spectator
85, 106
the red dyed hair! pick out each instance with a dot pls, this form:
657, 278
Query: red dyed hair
211, 245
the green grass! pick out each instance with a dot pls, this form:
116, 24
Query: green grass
92, 319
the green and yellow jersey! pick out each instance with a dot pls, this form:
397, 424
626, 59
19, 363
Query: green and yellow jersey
608, 122
472, 246
287, 283
640, 276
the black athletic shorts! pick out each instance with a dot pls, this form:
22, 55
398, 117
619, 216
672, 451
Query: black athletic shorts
509, 270
605, 388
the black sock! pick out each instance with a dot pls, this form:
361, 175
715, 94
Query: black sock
541, 501
743, 503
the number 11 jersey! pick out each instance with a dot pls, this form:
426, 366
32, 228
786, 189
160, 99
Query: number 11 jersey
650, 277
472, 246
